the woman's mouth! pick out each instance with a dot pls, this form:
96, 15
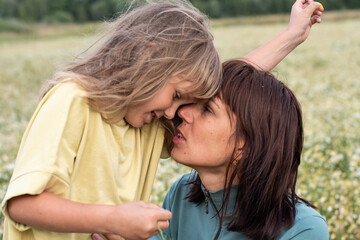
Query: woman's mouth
179, 137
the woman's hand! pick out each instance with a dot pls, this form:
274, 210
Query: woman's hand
304, 14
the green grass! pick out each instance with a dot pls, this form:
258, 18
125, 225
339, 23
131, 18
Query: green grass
324, 72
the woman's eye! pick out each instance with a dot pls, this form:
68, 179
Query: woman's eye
207, 108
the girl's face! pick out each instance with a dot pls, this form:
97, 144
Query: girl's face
164, 103
205, 137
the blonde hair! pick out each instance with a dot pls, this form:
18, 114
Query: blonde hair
140, 52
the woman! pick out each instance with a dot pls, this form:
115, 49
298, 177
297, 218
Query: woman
246, 164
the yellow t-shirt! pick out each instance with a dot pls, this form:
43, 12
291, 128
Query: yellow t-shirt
68, 149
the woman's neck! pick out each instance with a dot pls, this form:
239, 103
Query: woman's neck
213, 180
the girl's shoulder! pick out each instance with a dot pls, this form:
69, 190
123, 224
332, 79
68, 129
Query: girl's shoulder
67, 88
65, 94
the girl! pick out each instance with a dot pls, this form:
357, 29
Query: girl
245, 146
88, 158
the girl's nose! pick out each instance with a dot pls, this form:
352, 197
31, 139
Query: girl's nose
169, 113
186, 113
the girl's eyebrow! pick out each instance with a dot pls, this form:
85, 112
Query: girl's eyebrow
185, 94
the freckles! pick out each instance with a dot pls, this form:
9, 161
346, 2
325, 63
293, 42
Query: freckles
212, 129
186, 157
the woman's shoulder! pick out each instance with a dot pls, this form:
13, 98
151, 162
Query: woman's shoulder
185, 179
309, 224
305, 211
181, 185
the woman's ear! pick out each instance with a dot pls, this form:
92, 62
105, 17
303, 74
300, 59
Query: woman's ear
239, 151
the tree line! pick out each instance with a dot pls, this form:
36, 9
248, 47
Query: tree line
97, 10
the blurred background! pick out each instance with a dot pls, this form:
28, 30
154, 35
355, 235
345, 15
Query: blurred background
324, 72
95, 10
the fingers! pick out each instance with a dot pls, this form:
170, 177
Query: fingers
159, 213
137, 220
303, 3
96, 236
315, 19
316, 14
158, 218
314, 7
321, 8
163, 225
164, 215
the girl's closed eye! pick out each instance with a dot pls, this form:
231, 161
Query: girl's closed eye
177, 95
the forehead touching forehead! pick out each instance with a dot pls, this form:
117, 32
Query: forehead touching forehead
197, 89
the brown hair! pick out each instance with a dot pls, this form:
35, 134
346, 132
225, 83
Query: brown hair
269, 127
139, 52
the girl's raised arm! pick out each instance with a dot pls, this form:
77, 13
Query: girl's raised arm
303, 15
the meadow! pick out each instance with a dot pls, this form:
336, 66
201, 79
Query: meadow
324, 73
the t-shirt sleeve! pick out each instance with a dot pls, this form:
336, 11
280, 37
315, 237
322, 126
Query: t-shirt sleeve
48, 149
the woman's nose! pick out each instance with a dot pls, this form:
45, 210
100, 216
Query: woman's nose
186, 114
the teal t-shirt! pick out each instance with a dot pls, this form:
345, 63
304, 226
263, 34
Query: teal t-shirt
190, 222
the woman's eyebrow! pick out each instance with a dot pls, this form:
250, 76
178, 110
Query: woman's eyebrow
215, 103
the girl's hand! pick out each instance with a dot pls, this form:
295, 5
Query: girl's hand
96, 236
304, 14
140, 220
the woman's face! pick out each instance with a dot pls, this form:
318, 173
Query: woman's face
164, 103
205, 137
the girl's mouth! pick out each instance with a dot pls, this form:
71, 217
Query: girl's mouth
153, 114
